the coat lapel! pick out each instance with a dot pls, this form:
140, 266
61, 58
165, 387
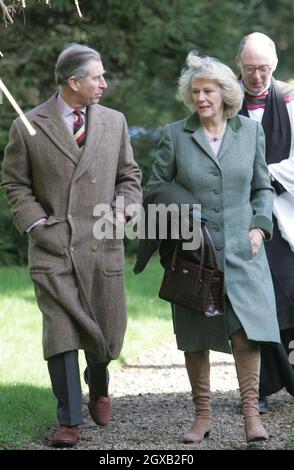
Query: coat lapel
193, 125
201, 140
95, 129
50, 121
230, 136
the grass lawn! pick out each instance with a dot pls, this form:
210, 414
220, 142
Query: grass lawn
26, 401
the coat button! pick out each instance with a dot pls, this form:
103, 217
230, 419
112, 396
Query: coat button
218, 247
217, 209
217, 191
93, 180
215, 172
94, 248
217, 229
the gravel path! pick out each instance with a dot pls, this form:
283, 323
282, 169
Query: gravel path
152, 407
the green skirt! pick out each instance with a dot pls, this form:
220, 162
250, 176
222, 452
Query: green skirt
194, 331
233, 322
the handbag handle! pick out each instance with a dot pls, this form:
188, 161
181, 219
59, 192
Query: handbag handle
211, 245
175, 253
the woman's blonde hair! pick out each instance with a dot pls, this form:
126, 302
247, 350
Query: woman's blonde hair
211, 69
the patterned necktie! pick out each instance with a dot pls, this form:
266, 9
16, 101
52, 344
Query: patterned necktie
79, 130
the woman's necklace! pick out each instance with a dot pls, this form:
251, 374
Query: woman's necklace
214, 138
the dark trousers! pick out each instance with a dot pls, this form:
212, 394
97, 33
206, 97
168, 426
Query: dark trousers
66, 385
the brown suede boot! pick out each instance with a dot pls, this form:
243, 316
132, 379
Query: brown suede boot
247, 362
198, 368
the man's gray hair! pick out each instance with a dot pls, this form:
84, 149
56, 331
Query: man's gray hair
211, 69
261, 40
73, 61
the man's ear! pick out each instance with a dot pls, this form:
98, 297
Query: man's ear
73, 83
238, 62
274, 66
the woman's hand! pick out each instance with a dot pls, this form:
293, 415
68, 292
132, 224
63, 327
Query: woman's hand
256, 238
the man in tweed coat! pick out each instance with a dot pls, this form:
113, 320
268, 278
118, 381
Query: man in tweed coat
53, 182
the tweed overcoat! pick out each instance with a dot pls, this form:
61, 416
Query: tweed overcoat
78, 279
235, 194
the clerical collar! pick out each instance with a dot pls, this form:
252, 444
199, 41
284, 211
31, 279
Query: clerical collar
255, 94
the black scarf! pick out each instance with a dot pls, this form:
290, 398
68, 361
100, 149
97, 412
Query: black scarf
276, 124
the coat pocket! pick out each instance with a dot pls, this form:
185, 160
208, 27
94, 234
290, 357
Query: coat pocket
45, 247
242, 245
112, 257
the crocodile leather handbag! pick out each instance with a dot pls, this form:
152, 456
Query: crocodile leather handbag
193, 285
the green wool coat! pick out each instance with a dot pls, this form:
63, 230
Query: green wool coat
79, 280
235, 194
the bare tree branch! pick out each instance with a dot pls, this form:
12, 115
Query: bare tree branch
12, 101
78, 8
19, 5
6, 15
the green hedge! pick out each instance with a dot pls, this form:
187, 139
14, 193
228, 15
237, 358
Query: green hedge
13, 247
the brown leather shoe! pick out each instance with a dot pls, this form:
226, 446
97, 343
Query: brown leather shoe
65, 436
100, 409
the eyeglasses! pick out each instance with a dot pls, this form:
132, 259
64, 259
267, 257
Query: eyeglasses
262, 69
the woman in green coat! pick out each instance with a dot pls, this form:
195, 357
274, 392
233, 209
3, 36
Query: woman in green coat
219, 157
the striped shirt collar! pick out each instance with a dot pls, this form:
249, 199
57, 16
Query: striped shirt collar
65, 109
